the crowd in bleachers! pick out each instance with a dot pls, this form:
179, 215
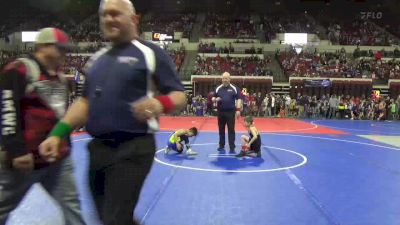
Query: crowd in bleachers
313, 64
239, 26
382, 53
244, 66
378, 69
87, 31
339, 64
303, 106
232, 26
373, 64
77, 62
392, 27
273, 24
73, 63
169, 23
33, 19
91, 47
358, 32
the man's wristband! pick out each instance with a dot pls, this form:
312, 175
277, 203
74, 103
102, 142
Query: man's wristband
166, 102
61, 130
238, 109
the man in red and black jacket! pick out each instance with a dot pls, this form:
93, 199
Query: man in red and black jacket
33, 98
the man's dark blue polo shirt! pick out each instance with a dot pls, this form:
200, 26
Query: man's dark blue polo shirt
121, 75
228, 96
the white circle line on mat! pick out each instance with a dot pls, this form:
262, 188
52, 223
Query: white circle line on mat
235, 171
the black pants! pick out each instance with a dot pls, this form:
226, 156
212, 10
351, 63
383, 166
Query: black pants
341, 113
116, 174
226, 118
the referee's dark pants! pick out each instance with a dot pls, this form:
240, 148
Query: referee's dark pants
226, 118
117, 172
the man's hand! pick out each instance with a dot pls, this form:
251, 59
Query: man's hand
23, 163
49, 149
146, 109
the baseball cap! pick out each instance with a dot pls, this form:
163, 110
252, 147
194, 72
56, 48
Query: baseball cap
55, 36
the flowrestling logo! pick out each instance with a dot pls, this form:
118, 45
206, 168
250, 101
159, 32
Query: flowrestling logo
371, 15
157, 36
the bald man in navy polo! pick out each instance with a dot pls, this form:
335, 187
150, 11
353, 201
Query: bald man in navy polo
227, 96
